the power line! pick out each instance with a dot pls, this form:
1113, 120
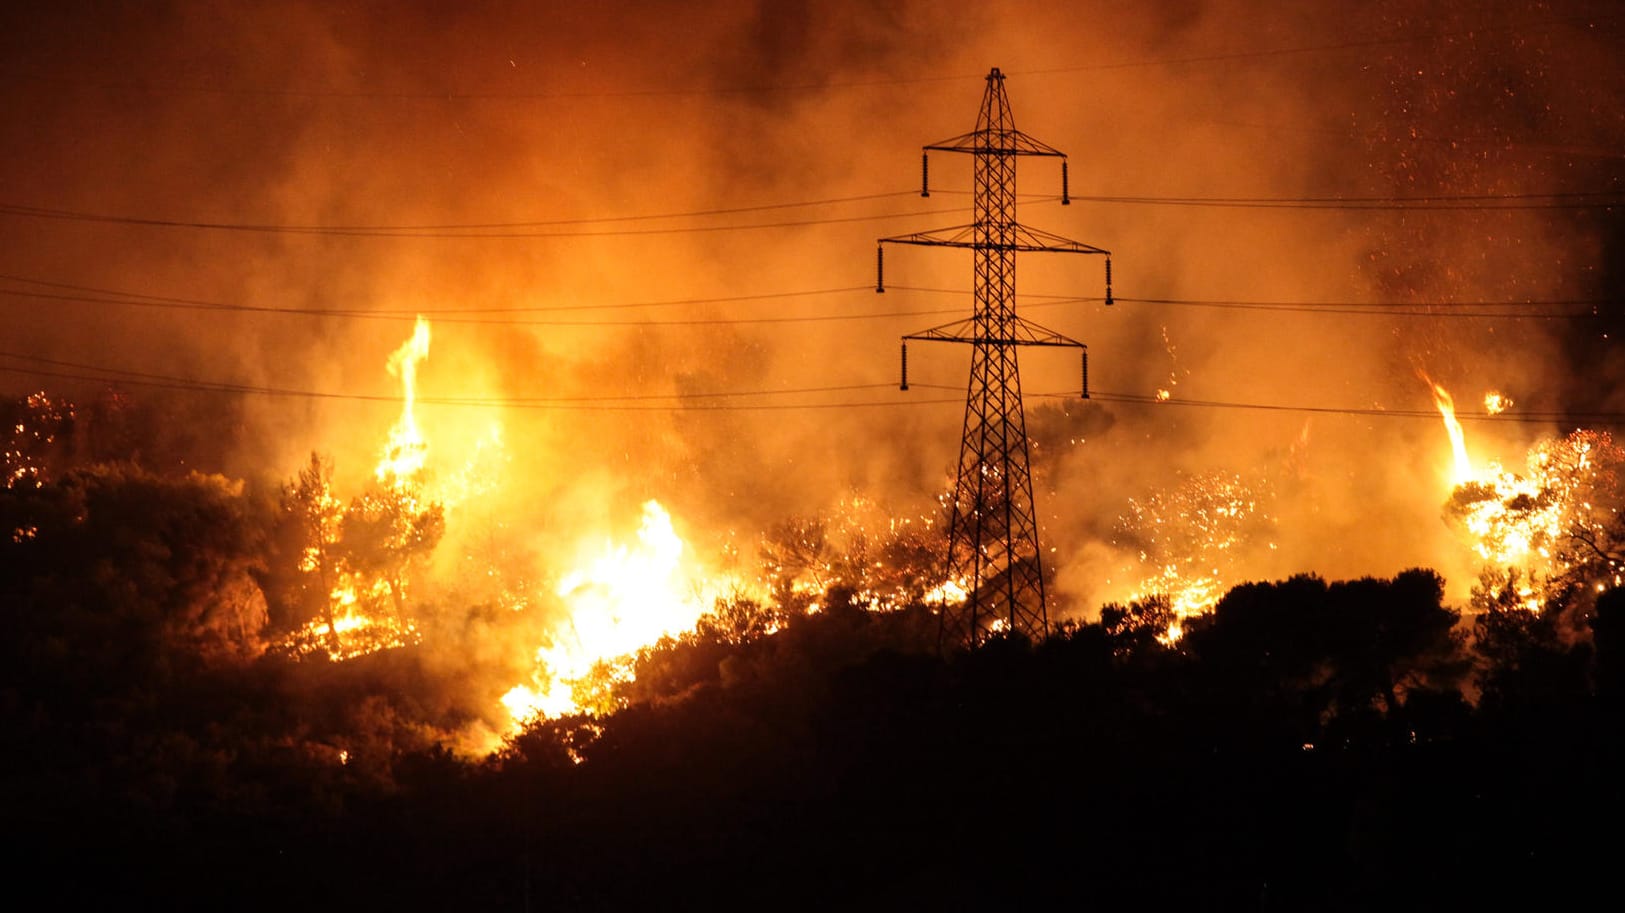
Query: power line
1369, 308
475, 226
562, 228
385, 231
450, 317
140, 298
1608, 418
1395, 309
76, 371
460, 316
71, 370
491, 315
1445, 202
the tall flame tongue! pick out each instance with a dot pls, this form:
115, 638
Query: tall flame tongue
358, 619
406, 451
1463, 465
1523, 525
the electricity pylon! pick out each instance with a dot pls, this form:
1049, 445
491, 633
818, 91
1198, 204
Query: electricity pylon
993, 549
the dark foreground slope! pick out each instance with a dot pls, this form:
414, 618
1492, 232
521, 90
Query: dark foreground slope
1307, 747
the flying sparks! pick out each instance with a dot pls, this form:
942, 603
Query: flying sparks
1191, 539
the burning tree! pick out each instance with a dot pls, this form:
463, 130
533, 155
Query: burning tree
878, 560
385, 532
1551, 533
359, 556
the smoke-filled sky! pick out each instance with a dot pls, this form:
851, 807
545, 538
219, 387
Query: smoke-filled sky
172, 175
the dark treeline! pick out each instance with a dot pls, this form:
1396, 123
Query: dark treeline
1309, 745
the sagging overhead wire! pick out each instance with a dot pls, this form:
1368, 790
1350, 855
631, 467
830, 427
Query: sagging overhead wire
47, 290
585, 227
479, 231
705, 401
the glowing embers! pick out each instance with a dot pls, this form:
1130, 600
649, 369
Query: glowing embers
34, 428
1191, 539
627, 598
859, 553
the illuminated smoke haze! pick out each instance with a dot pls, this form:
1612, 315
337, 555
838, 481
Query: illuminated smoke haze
318, 114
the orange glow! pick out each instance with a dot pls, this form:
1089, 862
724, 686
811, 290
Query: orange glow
406, 451
366, 603
1525, 521
1189, 540
625, 599
1461, 465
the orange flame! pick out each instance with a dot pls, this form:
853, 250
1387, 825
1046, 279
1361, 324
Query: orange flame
1462, 465
406, 451
626, 599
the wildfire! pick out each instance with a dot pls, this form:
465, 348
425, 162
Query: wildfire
1495, 403
1191, 539
880, 562
36, 424
627, 598
1462, 466
1540, 526
406, 451
360, 553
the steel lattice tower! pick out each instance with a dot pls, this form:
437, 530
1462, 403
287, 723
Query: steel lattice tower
993, 548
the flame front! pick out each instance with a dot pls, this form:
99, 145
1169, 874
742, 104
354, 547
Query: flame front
1525, 526
627, 598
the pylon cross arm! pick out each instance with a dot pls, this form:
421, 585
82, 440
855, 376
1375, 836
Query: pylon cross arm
1023, 239
996, 142
1023, 333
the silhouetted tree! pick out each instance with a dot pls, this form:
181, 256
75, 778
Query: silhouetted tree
1527, 657
1136, 628
1608, 640
1388, 636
